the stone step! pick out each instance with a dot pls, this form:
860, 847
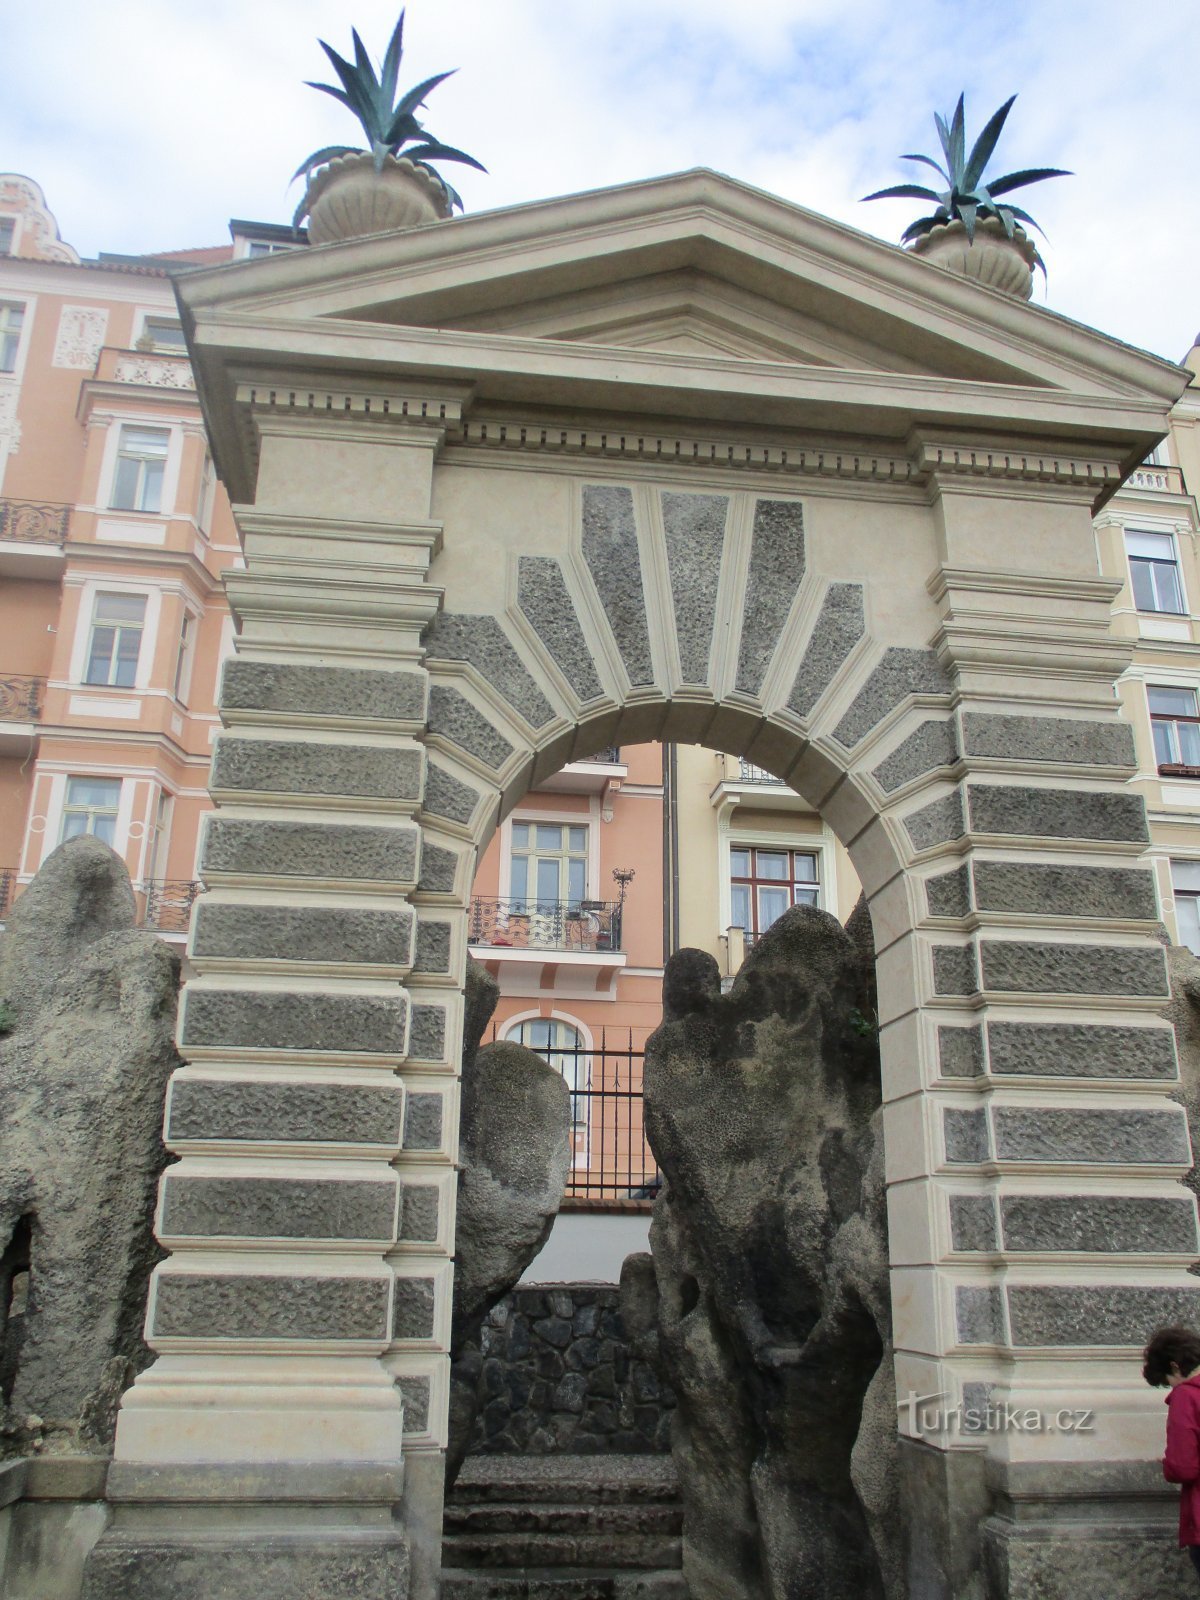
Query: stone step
565, 1480
533, 1583
594, 1551
616, 1519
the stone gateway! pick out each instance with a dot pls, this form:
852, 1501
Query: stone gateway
674, 460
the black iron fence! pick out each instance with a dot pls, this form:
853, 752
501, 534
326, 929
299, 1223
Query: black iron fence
8, 888
749, 773
582, 925
32, 522
21, 698
611, 1159
167, 903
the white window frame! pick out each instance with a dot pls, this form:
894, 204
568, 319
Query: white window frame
1160, 532
207, 499
581, 1130
65, 807
589, 819
15, 218
13, 374
171, 471
1150, 684
81, 648
145, 315
119, 627
185, 655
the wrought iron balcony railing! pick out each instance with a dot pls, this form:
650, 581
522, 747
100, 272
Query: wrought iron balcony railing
21, 698
8, 888
585, 925
31, 522
168, 903
610, 755
751, 774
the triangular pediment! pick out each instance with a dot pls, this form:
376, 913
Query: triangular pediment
691, 298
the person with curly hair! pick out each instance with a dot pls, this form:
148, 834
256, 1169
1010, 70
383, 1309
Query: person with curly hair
1172, 1361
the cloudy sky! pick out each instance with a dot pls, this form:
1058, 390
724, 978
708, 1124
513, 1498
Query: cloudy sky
149, 123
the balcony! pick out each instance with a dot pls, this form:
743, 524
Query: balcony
20, 713
749, 773
1155, 480
32, 535
589, 927
755, 789
602, 774
166, 904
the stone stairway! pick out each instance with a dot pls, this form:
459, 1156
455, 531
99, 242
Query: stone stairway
557, 1527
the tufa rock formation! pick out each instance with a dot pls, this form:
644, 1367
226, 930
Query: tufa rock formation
766, 1302
88, 1009
514, 1152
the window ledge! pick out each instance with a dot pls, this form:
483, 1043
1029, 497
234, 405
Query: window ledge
1176, 770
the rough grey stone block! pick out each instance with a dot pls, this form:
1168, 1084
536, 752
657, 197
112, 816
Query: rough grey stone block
414, 1392
419, 1213
278, 1208
433, 947
1056, 890
453, 716
1116, 1314
1056, 813
1098, 1222
258, 1306
1111, 1554
1066, 741
275, 766
960, 1051
610, 549
776, 571
427, 1037
1015, 964
310, 850
543, 596
481, 641
838, 628
933, 744
413, 1308
323, 691
694, 529
973, 1222
1039, 1134
299, 1563
1080, 1050
900, 674
269, 1019
438, 867
423, 1116
304, 933
979, 1315
949, 894
953, 969
966, 1135
201, 1108
446, 796
937, 823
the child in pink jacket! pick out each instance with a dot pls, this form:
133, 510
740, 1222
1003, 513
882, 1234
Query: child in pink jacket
1172, 1360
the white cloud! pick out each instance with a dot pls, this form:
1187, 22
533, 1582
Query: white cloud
150, 122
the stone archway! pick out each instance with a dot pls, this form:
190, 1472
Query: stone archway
473, 551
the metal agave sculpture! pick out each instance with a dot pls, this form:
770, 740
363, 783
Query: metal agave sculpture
967, 197
391, 126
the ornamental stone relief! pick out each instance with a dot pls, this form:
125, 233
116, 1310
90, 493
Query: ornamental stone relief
38, 238
81, 331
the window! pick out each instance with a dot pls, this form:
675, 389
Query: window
265, 247
12, 318
8, 229
561, 1044
182, 659
549, 863
208, 492
1154, 572
1185, 887
765, 881
91, 807
163, 333
141, 463
1176, 727
116, 640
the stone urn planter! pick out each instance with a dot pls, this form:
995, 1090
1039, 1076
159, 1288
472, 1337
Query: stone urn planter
993, 259
348, 198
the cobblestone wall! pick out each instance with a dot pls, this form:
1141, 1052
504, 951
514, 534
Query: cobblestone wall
557, 1374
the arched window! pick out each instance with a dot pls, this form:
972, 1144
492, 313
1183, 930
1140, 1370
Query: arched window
561, 1043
